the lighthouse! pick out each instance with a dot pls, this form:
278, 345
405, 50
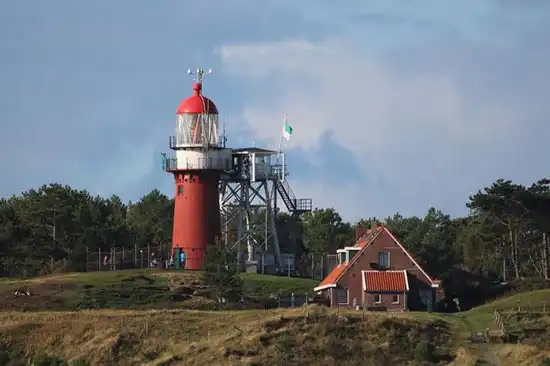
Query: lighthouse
200, 158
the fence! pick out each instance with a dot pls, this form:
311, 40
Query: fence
127, 258
497, 317
315, 266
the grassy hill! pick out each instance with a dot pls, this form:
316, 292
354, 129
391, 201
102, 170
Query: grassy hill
526, 318
142, 289
253, 337
148, 323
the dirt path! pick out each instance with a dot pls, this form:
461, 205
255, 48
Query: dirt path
489, 355
485, 350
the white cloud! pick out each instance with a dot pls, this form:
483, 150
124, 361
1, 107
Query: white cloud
422, 131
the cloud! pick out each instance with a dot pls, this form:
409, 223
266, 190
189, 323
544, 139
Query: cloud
390, 115
89, 91
433, 133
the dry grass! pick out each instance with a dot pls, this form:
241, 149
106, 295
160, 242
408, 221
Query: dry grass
522, 355
464, 357
181, 337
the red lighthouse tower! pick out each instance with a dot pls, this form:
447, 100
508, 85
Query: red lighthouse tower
200, 159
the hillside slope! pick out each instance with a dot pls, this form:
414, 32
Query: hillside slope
142, 289
306, 336
526, 318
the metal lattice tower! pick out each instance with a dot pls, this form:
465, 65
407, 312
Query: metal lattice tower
248, 199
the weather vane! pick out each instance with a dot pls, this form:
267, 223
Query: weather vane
199, 74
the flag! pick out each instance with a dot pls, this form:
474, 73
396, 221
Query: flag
287, 130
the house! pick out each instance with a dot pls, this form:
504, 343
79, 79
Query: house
378, 273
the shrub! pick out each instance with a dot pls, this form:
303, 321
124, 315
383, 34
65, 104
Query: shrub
80, 362
45, 360
424, 352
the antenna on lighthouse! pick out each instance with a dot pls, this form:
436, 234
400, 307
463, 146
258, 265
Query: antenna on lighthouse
199, 73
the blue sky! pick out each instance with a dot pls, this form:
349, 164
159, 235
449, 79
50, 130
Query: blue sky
396, 105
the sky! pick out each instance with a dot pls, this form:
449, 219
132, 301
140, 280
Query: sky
397, 106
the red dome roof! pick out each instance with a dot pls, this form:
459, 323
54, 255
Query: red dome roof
197, 103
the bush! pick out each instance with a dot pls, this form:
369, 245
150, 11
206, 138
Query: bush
221, 274
545, 361
4, 358
424, 352
80, 362
45, 360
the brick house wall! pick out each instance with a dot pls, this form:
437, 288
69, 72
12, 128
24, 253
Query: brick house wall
389, 301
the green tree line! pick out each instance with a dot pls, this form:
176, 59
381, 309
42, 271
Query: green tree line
505, 236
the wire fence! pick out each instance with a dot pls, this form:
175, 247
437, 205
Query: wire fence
314, 266
117, 258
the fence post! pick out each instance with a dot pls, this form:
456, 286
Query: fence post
292, 300
307, 299
135, 255
86, 269
99, 260
322, 267
148, 256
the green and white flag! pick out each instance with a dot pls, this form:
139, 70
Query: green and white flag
287, 130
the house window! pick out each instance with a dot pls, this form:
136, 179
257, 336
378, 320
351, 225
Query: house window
377, 298
180, 189
395, 299
384, 259
341, 296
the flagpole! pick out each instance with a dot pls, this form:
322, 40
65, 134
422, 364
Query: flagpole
280, 148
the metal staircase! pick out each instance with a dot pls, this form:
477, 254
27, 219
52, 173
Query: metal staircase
294, 206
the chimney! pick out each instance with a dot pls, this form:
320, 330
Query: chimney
359, 232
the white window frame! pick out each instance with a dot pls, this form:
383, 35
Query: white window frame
389, 263
338, 302
351, 252
377, 298
395, 302
341, 256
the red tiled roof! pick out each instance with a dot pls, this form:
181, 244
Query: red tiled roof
333, 276
385, 281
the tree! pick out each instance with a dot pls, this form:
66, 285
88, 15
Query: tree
325, 231
221, 273
504, 203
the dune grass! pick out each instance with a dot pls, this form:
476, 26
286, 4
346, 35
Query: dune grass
136, 333
138, 289
305, 336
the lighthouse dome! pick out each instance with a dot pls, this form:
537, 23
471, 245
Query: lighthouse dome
197, 103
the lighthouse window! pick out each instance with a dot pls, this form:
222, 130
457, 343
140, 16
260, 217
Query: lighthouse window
180, 189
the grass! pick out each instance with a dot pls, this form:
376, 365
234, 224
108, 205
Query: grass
137, 289
533, 302
527, 319
312, 335
171, 335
